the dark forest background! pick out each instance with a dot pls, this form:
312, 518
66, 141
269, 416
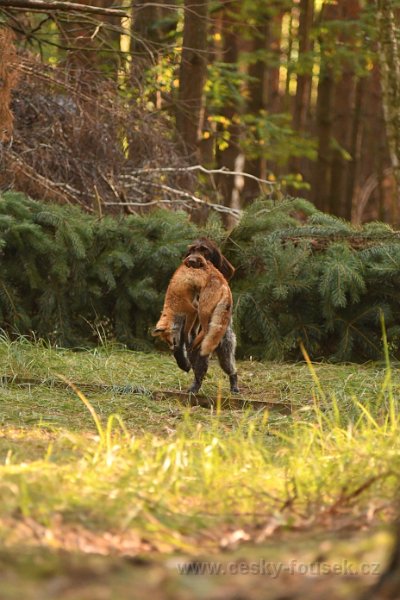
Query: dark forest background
115, 108
281, 117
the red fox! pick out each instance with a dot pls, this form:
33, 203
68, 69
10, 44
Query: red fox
197, 289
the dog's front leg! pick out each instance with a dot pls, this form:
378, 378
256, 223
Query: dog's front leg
179, 351
200, 368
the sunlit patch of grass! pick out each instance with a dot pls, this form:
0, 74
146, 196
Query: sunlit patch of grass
174, 475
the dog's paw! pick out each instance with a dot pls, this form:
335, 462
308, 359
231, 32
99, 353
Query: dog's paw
194, 388
233, 381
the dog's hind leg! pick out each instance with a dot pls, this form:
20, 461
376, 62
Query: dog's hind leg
226, 358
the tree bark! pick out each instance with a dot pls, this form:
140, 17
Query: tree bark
389, 59
304, 78
353, 168
275, 43
227, 157
344, 118
322, 173
192, 74
342, 121
9, 72
258, 92
324, 122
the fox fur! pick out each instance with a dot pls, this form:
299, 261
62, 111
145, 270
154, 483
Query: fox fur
197, 290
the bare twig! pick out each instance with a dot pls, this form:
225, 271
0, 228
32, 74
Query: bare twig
173, 201
43, 6
218, 207
221, 171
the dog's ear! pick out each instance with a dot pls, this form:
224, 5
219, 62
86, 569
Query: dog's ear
218, 259
191, 249
226, 268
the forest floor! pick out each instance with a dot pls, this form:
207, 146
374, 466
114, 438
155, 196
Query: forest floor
115, 484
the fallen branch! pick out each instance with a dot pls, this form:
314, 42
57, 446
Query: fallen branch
181, 197
217, 207
221, 171
43, 6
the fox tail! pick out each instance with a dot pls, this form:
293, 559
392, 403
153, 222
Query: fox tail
219, 322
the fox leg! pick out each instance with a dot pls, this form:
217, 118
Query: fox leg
190, 321
204, 318
226, 357
204, 328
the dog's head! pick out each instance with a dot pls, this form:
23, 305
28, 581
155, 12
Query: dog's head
195, 261
211, 252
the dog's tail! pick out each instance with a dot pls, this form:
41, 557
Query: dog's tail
219, 322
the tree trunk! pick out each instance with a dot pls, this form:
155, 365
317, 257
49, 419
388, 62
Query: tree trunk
322, 173
144, 34
228, 156
343, 118
151, 23
324, 122
353, 168
275, 43
192, 75
93, 42
389, 58
304, 79
9, 70
258, 100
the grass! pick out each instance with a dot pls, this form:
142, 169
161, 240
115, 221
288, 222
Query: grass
94, 458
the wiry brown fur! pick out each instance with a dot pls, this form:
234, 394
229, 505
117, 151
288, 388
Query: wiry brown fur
211, 252
197, 288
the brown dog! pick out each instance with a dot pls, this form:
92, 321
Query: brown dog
196, 290
211, 252
188, 358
